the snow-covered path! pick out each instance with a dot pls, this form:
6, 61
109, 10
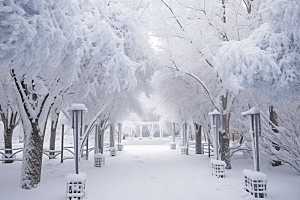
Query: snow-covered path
149, 172
156, 172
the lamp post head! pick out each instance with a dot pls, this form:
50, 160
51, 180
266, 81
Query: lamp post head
76, 107
215, 117
252, 111
215, 112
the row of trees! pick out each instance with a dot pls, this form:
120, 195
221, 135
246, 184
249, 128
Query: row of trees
55, 53
224, 55
230, 56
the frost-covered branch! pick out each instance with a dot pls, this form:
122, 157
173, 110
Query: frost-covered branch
199, 81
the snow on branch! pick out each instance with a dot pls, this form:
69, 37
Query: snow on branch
269, 59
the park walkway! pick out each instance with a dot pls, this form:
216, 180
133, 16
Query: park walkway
155, 172
148, 172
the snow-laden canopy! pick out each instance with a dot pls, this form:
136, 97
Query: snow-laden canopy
269, 59
75, 38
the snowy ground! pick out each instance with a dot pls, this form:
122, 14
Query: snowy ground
148, 172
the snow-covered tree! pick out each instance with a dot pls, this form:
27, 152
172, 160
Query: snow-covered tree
269, 59
48, 46
8, 110
114, 104
190, 33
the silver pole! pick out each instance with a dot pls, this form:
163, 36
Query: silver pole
62, 144
217, 136
76, 141
256, 141
96, 146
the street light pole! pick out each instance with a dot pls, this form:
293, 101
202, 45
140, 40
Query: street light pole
76, 112
215, 122
255, 133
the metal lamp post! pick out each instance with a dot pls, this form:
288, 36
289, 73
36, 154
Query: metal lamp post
255, 132
96, 145
77, 111
215, 121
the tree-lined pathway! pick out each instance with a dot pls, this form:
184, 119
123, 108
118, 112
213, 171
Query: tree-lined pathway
149, 172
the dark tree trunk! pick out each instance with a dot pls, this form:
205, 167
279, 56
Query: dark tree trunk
101, 129
32, 158
248, 4
224, 135
198, 145
274, 124
101, 140
9, 126
8, 143
34, 115
53, 134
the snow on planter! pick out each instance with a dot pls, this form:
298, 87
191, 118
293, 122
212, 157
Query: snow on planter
112, 151
120, 147
184, 150
255, 183
173, 145
218, 168
76, 186
99, 160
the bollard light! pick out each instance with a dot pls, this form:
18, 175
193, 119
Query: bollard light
255, 132
215, 121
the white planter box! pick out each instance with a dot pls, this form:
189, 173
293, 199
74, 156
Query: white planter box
120, 147
172, 145
184, 150
76, 186
113, 151
255, 183
218, 168
99, 160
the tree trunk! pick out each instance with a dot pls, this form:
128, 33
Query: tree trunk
119, 133
112, 135
34, 113
274, 120
32, 158
198, 145
8, 142
101, 142
173, 132
184, 134
101, 130
225, 137
101, 139
53, 134
9, 126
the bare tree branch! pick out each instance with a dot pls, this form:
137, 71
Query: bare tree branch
198, 80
